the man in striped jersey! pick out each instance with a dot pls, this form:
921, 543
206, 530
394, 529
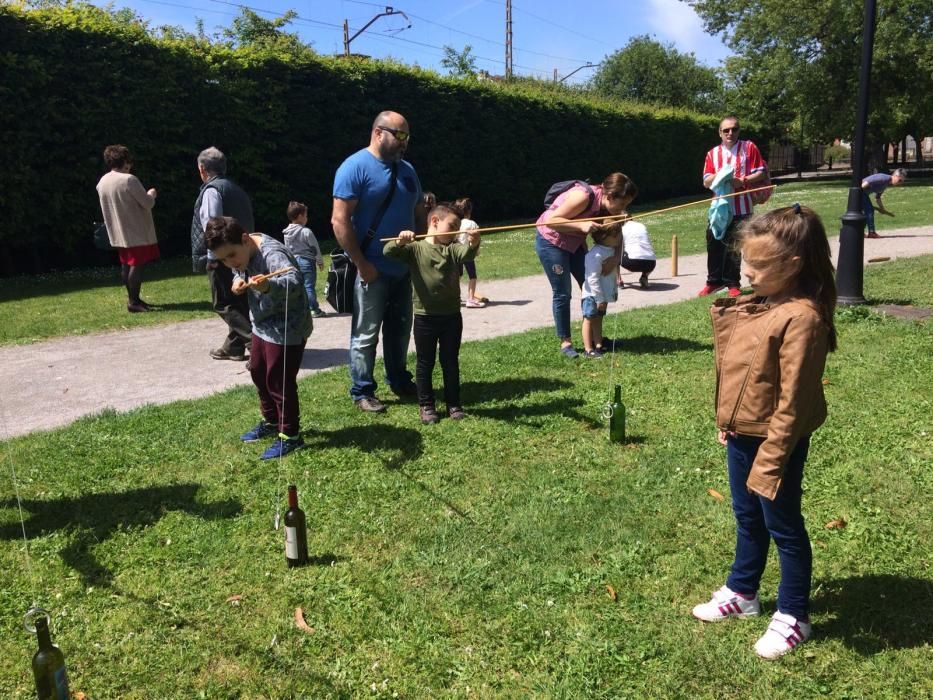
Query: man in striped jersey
722, 260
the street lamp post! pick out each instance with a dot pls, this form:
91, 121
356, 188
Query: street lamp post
852, 234
587, 65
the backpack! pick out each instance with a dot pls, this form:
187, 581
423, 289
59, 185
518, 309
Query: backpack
558, 188
341, 278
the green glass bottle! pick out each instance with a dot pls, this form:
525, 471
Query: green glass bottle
48, 666
296, 532
617, 419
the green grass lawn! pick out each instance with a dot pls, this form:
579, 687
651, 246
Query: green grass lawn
472, 559
75, 303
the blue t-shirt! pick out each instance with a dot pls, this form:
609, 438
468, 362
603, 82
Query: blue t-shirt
877, 183
367, 179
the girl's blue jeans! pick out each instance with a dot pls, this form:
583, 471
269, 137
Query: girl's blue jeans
758, 520
560, 266
309, 273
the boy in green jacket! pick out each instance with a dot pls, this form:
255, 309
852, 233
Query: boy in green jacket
435, 277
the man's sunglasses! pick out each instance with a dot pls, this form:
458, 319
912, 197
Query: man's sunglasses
729, 130
397, 133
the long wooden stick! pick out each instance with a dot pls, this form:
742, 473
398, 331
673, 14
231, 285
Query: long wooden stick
603, 218
259, 279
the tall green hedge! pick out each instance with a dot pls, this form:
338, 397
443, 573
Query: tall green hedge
76, 79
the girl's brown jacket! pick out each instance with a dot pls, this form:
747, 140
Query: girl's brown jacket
769, 369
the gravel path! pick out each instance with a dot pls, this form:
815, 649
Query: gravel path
52, 383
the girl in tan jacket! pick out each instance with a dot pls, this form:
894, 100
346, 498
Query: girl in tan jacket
771, 349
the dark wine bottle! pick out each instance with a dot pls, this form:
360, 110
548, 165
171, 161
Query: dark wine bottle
296, 533
617, 419
48, 666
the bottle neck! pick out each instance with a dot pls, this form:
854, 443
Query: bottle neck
42, 633
292, 497
618, 394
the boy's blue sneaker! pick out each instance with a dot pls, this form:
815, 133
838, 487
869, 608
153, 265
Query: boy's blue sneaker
282, 447
262, 430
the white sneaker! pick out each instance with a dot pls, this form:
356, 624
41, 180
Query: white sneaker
727, 603
784, 633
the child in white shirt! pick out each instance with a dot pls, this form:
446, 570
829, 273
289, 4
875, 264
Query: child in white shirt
598, 289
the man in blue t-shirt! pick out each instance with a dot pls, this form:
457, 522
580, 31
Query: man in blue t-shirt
876, 184
382, 296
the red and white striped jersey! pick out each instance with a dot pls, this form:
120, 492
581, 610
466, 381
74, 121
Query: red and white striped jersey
746, 160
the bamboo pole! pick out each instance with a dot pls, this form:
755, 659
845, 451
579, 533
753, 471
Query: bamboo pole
259, 279
610, 218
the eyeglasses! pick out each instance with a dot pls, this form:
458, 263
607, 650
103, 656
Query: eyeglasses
729, 130
397, 133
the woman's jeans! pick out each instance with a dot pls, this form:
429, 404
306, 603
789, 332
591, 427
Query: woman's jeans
383, 303
559, 266
309, 273
759, 519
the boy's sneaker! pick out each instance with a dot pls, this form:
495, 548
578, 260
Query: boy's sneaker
456, 412
709, 289
370, 404
262, 430
727, 603
734, 292
643, 280
593, 355
282, 447
318, 313
784, 633
429, 415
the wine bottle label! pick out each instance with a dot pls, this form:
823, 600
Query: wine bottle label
291, 542
61, 684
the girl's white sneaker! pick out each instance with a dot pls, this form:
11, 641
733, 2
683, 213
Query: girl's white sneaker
784, 634
727, 603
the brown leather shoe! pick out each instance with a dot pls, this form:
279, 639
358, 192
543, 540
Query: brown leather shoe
456, 412
221, 354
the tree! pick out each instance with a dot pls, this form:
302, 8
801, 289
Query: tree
249, 29
798, 61
646, 70
460, 64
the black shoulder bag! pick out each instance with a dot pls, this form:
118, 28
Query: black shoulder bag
341, 276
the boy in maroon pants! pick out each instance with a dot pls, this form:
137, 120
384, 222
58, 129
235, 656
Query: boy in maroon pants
281, 321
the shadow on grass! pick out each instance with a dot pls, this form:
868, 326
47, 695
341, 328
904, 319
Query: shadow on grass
95, 517
652, 287
523, 412
877, 612
400, 445
55, 283
658, 345
183, 306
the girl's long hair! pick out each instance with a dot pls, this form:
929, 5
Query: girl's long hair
798, 231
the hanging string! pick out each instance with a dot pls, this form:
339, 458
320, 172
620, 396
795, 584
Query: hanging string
34, 611
281, 426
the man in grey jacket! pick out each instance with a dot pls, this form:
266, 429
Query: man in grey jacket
220, 196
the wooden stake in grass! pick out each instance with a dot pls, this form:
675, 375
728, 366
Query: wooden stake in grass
674, 255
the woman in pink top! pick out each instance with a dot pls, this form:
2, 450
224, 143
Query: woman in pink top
561, 241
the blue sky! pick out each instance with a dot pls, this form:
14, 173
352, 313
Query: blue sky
546, 34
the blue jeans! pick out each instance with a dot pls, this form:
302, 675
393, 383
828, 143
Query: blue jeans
759, 519
557, 264
869, 212
384, 302
309, 273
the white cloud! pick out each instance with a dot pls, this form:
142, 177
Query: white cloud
676, 22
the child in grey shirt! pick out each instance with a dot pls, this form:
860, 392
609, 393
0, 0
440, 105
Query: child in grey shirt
300, 241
